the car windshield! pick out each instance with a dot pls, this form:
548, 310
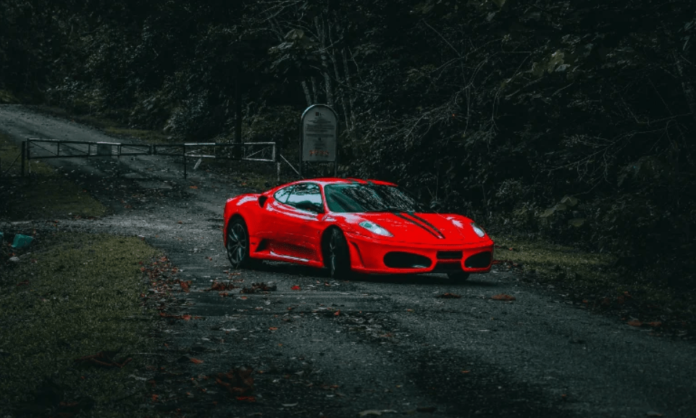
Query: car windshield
368, 198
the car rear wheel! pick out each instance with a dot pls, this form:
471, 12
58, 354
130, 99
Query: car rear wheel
337, 255
459, 276
238, 244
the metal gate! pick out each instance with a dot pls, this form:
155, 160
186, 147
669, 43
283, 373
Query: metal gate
38, 148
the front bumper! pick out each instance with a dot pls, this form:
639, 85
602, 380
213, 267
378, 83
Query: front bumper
367, 255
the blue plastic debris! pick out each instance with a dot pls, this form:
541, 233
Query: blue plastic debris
21, 241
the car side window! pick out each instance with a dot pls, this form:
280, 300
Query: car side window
306, 196
282, 194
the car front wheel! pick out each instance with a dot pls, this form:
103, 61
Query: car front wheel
337, 255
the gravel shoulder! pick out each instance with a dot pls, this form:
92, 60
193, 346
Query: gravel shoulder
393, 346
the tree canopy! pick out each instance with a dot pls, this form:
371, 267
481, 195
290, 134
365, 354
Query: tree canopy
567, 118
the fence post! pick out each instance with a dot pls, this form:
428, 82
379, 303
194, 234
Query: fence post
184, 155
23, 151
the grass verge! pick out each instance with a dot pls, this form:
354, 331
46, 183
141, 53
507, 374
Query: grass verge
7, 97
72, 296
594, 281
43, 193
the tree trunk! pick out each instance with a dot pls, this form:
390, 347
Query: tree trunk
321, 32
308, 97
686, 86
349, 83
314, 90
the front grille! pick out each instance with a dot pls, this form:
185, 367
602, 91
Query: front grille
480, 260
401, 260
449, 255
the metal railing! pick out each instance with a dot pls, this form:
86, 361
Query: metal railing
38, 148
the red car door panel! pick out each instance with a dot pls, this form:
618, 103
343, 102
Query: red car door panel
298, 223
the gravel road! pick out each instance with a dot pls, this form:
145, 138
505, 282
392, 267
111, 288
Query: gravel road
385, 344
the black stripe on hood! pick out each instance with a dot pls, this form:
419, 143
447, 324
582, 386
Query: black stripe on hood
427, 223
440, 236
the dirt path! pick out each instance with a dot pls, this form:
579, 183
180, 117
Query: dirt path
393, 346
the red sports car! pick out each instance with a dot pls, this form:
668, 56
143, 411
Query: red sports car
346, 225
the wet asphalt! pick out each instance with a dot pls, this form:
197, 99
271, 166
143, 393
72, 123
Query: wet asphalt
377, 345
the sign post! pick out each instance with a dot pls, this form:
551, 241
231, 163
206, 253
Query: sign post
319, 136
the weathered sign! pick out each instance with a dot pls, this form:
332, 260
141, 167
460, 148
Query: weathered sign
319, 134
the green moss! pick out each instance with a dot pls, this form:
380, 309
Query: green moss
81, 297
593, 278
7, 97
41, 194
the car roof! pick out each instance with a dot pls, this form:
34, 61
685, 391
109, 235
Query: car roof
324, 181
338, 180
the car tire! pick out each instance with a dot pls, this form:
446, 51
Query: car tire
337, 258
238, 244
459, 276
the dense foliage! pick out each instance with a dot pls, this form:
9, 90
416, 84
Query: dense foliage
567, 118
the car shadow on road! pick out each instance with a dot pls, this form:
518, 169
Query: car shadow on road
426, 279
476, 280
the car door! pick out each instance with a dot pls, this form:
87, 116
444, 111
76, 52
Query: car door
273, 210
299, 223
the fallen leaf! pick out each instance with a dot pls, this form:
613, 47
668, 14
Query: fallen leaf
243, 297
337, 313
193, 187
449, 296
273, 328
237, 381
185, 285
655, 323
295, 287
220, 286
154, 397
246, 398
503, 297
196, 361
186, 317
635, 323
653, 414
465, 371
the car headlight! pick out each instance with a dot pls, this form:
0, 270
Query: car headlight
374, 228
478, 230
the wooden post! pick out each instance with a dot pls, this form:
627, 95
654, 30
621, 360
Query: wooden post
23, 151
237, 113
300, 160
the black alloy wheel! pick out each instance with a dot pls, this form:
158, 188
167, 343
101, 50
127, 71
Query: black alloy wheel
238, 244
337, 255
459, 276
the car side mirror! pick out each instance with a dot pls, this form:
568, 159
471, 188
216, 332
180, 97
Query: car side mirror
262, 200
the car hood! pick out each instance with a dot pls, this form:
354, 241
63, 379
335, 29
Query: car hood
420, 228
